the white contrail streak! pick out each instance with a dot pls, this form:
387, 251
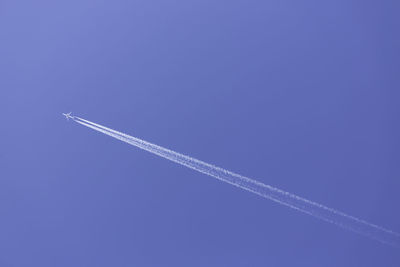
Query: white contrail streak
312, 208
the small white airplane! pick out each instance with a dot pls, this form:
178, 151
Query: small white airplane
68, 115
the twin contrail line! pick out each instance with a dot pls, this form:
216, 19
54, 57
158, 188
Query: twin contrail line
314, 209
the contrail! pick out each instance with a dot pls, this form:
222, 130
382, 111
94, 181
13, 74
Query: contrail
285, 198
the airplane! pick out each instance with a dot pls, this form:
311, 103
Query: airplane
68, 115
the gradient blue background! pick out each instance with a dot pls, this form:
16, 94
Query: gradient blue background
303, 96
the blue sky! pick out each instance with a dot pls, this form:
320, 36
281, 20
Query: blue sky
299, 95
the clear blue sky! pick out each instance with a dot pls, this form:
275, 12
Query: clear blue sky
303, 96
